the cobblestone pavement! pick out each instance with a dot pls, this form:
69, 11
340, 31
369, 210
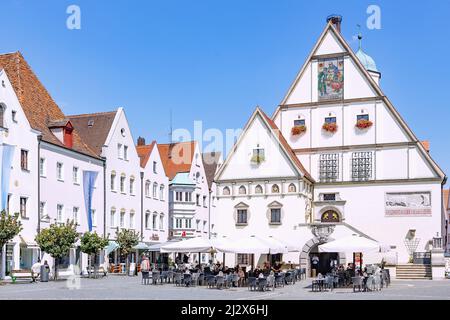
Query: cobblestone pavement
123, 287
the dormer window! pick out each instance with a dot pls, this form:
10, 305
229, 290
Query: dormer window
62, 129
90, 123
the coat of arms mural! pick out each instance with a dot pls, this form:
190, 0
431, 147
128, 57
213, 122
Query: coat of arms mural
331, 79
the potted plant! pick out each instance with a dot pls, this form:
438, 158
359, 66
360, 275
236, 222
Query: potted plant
330, 127
297, 130
363, 124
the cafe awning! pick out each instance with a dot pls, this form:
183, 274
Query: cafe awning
198, 244
141, 246
112, 246
157, 246
28, 243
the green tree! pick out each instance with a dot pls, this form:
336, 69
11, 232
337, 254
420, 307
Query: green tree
91, 244
127, 239
10, 226
57, 241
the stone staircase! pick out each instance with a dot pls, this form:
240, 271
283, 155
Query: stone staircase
414, 271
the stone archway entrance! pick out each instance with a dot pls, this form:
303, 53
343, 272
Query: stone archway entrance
311, 248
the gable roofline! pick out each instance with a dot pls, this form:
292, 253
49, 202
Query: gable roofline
119, 111
373, 84
145, 151
275, 133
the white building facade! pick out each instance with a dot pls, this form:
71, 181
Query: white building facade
371, 174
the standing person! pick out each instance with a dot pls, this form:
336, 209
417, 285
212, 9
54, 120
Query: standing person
145, 268
36, 270
315, 263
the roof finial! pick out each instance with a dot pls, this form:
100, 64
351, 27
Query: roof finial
359, 36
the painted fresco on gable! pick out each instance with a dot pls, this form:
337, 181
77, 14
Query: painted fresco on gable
331, 79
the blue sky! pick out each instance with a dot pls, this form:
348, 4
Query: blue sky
214, 60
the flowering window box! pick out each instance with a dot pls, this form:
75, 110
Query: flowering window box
363, 124
297, 130
330, 127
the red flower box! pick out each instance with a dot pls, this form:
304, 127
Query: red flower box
363, 124
330, 127
296, 130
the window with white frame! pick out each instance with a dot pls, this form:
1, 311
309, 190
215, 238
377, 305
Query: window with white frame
155, 216
42, 171
122, 219
23, 207
178, 196
329, 167
2, 115
119, 150
361, 166
204, 225
132, 219
161, 192
113, 181
132, 185
147, 188
197, 225
161, 222
275, 215
204, 201
178, 223
75, 214
24, 159
112, 218
242, 216
75, 175
188, 223
197, 199
188, 196
155, 189
122, 183
147, 219
60, 171
125, 152
60, 213
154, 167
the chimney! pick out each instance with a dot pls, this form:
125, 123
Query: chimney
141, 141
336, 20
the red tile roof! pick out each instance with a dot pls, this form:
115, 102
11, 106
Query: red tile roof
144, 152
176, 157
288, 148
39, 107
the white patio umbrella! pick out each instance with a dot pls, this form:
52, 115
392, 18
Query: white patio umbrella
198, 244
253, 245
289, 246
353, 243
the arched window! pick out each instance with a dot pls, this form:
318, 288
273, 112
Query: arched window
275, 188
292, 188
147, 188
161, 192
2, 113
330, 216
147, 219
155, 188
113, 180
132, 214
258, 189
242, 190
132, 185
226, 191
